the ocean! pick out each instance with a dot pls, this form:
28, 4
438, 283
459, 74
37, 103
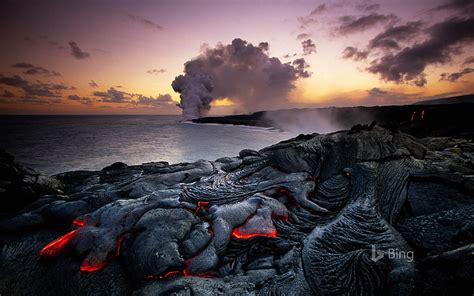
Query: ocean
54, 144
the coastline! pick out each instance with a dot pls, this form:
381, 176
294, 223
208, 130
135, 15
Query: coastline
441, 120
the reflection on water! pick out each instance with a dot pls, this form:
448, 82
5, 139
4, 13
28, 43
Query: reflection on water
54, 144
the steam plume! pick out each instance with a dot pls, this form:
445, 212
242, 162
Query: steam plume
240, 71
195, 90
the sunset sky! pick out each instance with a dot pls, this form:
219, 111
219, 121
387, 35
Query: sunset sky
120, 57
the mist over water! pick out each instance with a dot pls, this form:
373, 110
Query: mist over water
53, 144
298, 121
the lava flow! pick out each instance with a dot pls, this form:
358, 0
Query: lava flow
239, 235
52, 248
201, 205
58, 244
79, 222
87, 267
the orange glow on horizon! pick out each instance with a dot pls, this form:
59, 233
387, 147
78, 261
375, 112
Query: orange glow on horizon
222, 102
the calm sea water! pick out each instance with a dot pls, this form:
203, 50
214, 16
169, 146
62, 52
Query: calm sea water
54, 144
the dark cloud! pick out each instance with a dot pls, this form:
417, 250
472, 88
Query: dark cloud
408, 65
367, 7
82, 100
463, 6
159, 101
352, 24
15, 81
301, 66
287, 56
305, 21
145, 22
469, 60
456, 75
37, 89
303, 36
382, 97
31, 69
41, 90
308, 47
239, 71
77, 52
264, 46
156, 71
351, 52
93, 84
321, 8
311, 18
390, 37
120, 97
7, 94
376, 92
113, 96
36, 92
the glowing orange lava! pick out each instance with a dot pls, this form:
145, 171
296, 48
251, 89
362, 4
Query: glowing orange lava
79, 222
201, 205
239, 235
87, 267
58, 244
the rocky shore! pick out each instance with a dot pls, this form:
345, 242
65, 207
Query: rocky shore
365, 211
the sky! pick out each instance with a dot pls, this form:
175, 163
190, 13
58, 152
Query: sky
121, 57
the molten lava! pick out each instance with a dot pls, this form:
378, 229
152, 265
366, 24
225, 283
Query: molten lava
58, 244
423, 114
87, 267
413, 116
201, 205
79, 222
52, 248
237, 234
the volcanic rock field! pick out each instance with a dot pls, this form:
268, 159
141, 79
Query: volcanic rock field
366, 211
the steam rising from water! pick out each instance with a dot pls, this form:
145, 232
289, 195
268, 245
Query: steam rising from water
195, 90
240, 71
297, 121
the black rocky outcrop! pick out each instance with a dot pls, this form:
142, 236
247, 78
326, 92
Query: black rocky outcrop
369, 211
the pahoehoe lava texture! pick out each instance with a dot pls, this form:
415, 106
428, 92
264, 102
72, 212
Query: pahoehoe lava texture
335, 214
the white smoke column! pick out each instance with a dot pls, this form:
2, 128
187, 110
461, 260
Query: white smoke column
195, 90
241, 72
